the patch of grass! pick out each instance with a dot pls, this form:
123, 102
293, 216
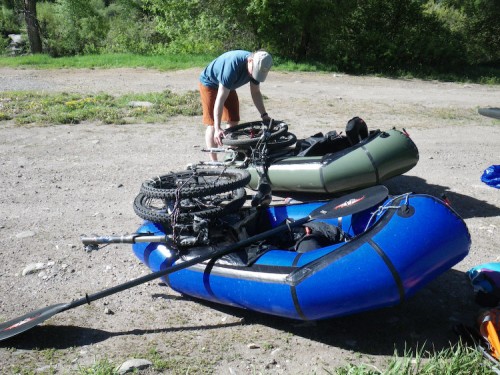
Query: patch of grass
106, 61
49, 354
101, 367
64, 108
175, 361
180, 365
4, 116
456, 360
21, 370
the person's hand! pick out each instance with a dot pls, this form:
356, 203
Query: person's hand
266, 118
218, 135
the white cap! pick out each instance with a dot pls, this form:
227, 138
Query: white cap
262, 62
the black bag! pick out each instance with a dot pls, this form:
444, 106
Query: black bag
356, 130
321, 235
319, 144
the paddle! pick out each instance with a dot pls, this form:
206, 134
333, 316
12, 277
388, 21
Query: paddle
343, 206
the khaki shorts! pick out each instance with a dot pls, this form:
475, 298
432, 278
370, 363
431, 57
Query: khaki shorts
230, 112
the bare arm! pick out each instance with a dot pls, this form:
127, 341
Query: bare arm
257, 100
222, 95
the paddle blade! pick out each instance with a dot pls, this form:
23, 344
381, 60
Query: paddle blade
23, 323
351, 203
490, 112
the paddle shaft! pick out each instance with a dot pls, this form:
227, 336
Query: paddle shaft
126, 238
188, 263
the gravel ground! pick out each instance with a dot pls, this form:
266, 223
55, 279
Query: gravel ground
58, 182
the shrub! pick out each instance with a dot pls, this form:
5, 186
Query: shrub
71, 27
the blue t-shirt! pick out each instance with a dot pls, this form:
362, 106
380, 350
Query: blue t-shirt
229, 69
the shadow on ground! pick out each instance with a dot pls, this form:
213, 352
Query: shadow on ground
425, 320
63, 337
466, 206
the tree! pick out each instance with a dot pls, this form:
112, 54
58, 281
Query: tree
32, 26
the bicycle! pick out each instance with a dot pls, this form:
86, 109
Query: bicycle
189, 201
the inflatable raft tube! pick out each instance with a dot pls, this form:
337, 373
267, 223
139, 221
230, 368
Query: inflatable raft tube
382, 155
391, 252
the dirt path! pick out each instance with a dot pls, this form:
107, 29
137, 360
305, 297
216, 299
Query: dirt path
59, 182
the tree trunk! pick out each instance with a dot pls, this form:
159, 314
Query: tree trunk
32, 26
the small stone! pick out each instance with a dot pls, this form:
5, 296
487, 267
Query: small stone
25, 234
276, 351
108, 311
32, 268
133, 364
46, 369
271, 364
253, 346
140, 104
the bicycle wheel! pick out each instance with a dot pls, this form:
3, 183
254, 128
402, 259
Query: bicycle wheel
195, 183
160, 210
282, 141
250, 133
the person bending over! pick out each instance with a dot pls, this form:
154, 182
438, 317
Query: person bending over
218, 84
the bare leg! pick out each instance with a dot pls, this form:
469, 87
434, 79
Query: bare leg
209, 140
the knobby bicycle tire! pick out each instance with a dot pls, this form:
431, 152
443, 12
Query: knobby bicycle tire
145, 208
195, 183
249, 134
282, 141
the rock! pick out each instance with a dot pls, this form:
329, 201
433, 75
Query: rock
48, 369
276, 351
253, 346
108, 311
32, 268
140, 104
133, 364
271, 364
25, 234
15, 38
